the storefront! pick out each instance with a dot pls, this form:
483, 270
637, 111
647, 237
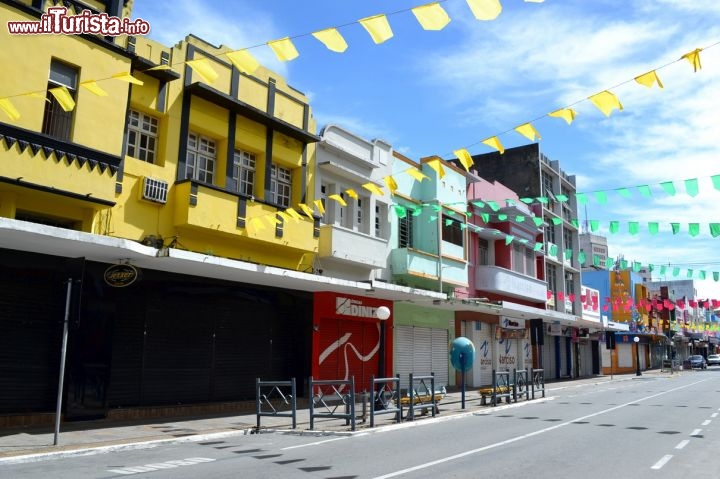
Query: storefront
350, 339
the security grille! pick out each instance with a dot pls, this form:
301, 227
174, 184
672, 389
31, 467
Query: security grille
155, 190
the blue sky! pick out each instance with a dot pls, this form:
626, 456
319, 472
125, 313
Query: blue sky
432, 92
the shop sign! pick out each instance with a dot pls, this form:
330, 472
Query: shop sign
120, 275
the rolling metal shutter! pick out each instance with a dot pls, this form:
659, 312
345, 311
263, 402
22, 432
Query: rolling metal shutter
421, 351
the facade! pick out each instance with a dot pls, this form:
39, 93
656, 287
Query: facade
595, 248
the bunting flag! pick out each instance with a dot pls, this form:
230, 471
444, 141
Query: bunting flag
284, 49
125, 76
416, 174
567, 114
243, 61
606, 102
202, 67
272, 220
373, 188
431, 16
649, 79
352, 194
694, 58
464, 157
93, 87
435, 165
494, 142
307, 210
331, 38
320, 206
338, 198
485, 9
528, 131
293, 214
63, 97
285, 217
377, 27
9, 109
391, 184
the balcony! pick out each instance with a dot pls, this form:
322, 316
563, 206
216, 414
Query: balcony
495, 279
418, 268
348, 246
212, 215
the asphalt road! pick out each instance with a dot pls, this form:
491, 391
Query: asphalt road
654, 427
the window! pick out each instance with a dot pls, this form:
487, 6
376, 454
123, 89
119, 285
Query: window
547, 185
451, 230
323, 199
551, 278
518, 259
200, 158
550, 233
362, 215
567, 239
244, 172
56, 121
529, 262
405, 234
142, 136
483, 252
380, 220
281, 185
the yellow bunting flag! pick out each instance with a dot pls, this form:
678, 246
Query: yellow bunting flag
284, 49
485, 9
320, 206
306, 209
332, 39
272, 220
293, 214
202, 67
257, 224
158, 67
284, 216
606, 102
528, 131
494, 142
125, 76
9, 109
391, 184
351, 193
338, 198
416, 174
567, 114
93, 87
435, 165
694, 58
378, 28
373, 188
464, 156
64, 98
431, 16
649, 79
243, 61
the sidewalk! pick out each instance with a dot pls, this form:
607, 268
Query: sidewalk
102, 436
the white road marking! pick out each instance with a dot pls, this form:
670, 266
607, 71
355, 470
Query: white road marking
682, 444
706, 422
525, 436
191, 461
315, 443
664, 460
714, 414
696, 432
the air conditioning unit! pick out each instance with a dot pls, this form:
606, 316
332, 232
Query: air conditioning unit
155, 190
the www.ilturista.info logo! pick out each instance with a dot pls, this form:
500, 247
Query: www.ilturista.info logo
57, 21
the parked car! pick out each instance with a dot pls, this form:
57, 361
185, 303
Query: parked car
697, 362
713, 360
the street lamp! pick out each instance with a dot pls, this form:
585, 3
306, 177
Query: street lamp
382, 313
637, 356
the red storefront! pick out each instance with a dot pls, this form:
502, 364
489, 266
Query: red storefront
349, 338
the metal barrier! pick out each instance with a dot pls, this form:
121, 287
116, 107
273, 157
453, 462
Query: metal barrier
331, 398
521, 385
502, 388
385, 398
275, 397
421, 397
538, 381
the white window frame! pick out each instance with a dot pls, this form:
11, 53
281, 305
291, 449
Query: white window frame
201, 158
281, 185
244, 164
142, 139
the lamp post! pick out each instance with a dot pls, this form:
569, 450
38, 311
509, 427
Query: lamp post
382, 313
637, 356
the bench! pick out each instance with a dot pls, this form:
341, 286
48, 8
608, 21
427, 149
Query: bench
423, 400
487, 392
